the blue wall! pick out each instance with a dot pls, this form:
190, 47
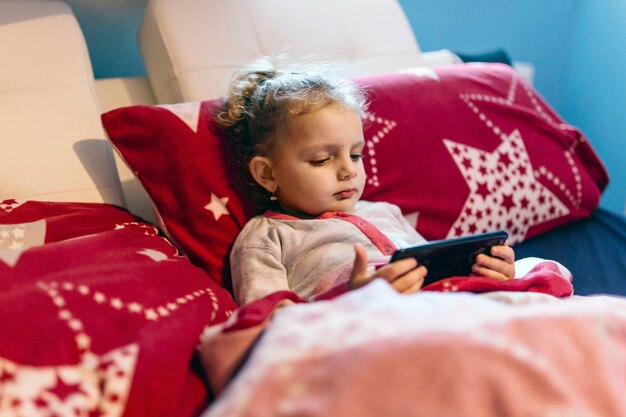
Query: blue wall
576, 46
535, 31
595, 89
110, 29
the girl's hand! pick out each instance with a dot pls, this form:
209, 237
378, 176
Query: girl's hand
403, 275
499, 265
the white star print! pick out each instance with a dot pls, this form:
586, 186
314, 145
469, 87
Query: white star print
155, 255
15, 245
422, 72
75, 325
151, 314
17, 238
189, 113
372, 141
10, 256
117, 304
217, 206
83, 341
135, 307
18, 232
10, 205
102, 382
574, 197
504, 192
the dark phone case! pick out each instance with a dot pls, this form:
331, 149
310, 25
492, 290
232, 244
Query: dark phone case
451, 257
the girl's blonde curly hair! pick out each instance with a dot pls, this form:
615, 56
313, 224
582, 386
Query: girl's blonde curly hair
263, 100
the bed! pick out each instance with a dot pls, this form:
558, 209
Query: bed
118, 208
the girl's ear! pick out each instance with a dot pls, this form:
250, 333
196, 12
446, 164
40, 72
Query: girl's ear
261, 171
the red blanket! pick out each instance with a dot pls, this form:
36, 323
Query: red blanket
98, 315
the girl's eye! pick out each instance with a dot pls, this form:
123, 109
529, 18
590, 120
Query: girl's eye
319, 162
356, 156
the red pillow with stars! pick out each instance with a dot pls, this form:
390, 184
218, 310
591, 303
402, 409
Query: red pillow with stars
188, 167
473, 148
462, 149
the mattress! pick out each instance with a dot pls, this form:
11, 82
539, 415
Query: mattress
593, 249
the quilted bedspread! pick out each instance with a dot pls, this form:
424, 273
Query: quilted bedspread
373, 352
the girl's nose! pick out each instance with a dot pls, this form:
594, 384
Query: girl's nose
347, 170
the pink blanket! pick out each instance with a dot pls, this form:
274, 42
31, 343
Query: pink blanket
373, 352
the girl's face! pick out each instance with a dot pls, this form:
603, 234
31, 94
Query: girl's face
318, 166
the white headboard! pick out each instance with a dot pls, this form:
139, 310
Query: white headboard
191, 48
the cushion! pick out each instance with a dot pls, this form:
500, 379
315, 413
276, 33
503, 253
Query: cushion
99, 315
186, 165
479, 150
51, 137
461, 149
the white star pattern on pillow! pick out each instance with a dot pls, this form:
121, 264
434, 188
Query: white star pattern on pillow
504, 189
386, 127
504, 193
217, 206
422, 72
575, 198
189, 113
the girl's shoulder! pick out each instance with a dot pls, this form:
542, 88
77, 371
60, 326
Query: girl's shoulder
261, 228
257, 224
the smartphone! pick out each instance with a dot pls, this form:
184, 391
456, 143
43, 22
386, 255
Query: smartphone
451, 257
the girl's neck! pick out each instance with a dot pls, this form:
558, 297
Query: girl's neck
295, 213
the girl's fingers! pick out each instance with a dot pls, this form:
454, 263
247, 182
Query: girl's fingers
489, 273
504, 252
410, 282
392, 271
488, 266
360, 260
415, 288
359, 276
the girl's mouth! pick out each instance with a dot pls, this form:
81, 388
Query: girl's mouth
343, 194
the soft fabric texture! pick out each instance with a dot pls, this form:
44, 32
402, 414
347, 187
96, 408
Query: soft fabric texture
461, 150
513, 354
99, 315
64, 220
310, 256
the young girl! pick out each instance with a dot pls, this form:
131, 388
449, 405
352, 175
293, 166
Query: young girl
300, 140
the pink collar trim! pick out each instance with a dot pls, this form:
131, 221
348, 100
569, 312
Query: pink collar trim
382, 242
283, 216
